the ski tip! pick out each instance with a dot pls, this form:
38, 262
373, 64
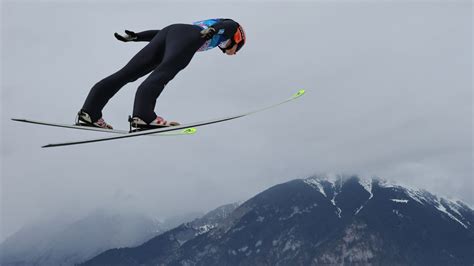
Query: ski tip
298, 94
189, 131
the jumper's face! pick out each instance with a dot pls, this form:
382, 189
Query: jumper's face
227, 47
231, 51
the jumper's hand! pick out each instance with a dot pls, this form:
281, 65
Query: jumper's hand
208, 33
129, 36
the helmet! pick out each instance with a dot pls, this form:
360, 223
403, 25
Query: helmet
238, 38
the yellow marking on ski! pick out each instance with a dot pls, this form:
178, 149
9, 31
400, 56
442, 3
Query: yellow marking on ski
298, 94
189, 131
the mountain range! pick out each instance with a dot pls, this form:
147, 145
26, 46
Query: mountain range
317, 221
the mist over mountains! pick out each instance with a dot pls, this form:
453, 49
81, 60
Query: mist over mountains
64, 241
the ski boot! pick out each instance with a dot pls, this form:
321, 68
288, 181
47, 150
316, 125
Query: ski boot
84, 119
137, 124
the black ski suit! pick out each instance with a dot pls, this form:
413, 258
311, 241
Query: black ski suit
169, 51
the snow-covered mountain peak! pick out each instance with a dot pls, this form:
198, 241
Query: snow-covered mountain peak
333, 189
316, 183
337, 181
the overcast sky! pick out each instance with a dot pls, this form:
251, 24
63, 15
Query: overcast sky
389, 94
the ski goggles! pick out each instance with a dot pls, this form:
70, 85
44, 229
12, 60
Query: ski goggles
239, 38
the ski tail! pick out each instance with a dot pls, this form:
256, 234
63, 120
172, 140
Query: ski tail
187, 131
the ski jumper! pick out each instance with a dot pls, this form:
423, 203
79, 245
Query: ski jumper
169, 51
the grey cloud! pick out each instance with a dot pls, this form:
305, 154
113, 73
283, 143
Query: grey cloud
389, 93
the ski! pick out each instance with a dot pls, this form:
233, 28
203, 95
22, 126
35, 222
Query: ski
181, 127
186, 131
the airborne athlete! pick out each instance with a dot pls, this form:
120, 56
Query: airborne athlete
169, 51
